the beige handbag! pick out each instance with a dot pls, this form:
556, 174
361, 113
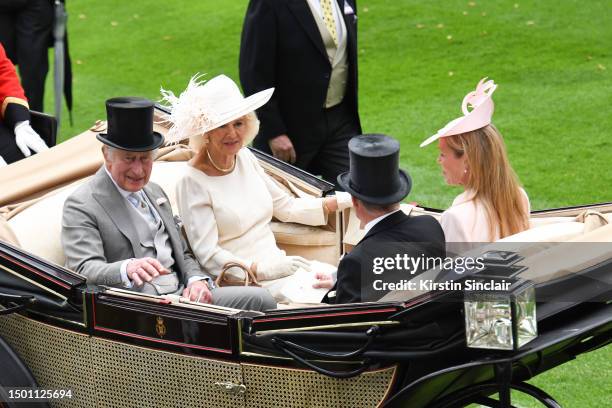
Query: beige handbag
249, 277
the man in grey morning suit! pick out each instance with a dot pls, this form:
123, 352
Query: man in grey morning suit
118, 230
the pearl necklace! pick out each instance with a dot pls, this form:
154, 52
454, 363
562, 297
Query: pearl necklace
221, 169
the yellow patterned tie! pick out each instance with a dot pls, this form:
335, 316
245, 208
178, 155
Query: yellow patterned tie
328, 18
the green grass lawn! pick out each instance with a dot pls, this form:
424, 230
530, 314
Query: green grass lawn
417, 59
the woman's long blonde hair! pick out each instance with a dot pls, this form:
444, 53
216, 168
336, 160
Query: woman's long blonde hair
492, 179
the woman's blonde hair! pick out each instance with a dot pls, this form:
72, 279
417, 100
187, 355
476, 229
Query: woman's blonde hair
492, 179
197, 142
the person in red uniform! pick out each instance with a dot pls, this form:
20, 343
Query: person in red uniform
17, 138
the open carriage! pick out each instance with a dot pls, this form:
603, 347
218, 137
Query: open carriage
414, 348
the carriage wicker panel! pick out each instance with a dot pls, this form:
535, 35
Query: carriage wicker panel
59, 359
104, 373
130, 376
282, 387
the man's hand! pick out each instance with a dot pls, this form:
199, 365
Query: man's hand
324, 280
282, 148
198, 292
144, 270
2, 162
27, 138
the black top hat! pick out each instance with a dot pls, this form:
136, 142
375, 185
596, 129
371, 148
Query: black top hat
130, 125
374, 175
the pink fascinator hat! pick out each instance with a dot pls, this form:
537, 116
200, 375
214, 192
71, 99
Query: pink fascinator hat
479, 116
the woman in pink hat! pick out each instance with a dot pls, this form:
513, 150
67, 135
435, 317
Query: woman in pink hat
473, 155
226, 200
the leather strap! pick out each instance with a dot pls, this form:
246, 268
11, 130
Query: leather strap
249, 277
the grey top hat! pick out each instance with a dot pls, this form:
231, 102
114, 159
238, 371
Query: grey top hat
374, 175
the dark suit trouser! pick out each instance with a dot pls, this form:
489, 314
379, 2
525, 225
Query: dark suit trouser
25, 34
8, 148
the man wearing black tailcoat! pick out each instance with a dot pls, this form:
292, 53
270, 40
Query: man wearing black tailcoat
307, 51
377, 186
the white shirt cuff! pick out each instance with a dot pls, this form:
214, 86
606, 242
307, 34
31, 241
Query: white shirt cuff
209, 281
127, 283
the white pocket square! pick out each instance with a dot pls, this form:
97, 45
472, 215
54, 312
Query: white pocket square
161, 200
348, 9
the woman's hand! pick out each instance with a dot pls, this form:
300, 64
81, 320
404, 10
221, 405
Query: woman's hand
280, 267
338, 202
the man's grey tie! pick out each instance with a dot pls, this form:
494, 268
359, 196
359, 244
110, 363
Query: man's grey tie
138, 201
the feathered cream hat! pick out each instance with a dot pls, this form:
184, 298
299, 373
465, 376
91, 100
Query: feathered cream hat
207, 105
480, 116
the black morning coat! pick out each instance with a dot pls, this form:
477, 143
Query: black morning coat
281, 47
398, 233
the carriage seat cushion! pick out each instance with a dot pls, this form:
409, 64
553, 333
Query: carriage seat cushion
559, 232
535, 222
38, 227
297, 234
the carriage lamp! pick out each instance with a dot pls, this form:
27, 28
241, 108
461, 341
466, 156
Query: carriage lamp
499, 313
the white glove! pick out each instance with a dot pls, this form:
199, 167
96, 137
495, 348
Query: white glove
279, 267
26, 139
344, 200
2, 162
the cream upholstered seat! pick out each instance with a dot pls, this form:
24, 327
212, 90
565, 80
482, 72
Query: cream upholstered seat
38, 227
166, 174
558, 232
535, 222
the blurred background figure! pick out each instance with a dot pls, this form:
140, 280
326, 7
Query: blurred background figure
27, 29
17, 138
307, 51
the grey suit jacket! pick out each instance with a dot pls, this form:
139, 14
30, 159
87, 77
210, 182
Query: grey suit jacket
98, 233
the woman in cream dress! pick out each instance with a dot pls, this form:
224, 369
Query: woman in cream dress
473, 156
225, 199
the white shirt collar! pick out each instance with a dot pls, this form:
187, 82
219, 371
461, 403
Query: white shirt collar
376, 220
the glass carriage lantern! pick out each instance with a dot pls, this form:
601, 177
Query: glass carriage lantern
500, 313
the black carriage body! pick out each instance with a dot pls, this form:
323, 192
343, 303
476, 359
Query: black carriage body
418, 346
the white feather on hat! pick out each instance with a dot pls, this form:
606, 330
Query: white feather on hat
207, 105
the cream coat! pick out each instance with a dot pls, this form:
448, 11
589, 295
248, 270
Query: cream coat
466, 220
227, 218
